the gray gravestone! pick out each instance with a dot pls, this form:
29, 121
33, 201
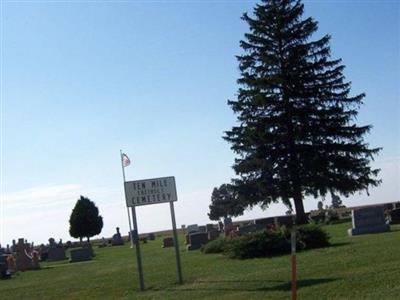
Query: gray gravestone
80, 254
192, 228
213, 235
117, 239
368, 220
395, 216
103, 243
4, 274
56, 251
168, 242
210, 227
197, 240
55, 254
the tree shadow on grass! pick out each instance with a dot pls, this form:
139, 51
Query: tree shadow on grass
286, 286
235, 281
65, 263
394, 228
237, 285
340, 244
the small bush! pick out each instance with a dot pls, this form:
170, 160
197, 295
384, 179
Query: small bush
266, 243
216, 246
259, 244
312, 236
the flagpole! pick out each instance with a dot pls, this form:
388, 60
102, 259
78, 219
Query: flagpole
127, 208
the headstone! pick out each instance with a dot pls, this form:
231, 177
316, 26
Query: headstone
103, 243
368, 220
197, 240
80, 254
210, 227
192, 228
43, 252
88, 245
395, 216
213, 235
168, 242
11, 264
14, 246
117, 239
23, 262
56, 251
4, 273
35, 260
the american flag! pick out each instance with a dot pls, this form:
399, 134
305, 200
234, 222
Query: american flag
125, 160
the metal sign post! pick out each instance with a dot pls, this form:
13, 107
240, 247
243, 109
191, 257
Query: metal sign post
176, 243
152, 191
135, 237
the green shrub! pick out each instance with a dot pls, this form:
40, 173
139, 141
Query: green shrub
259, 244
312, 236
216, 246
266, 243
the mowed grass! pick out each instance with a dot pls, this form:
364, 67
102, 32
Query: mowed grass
362, 267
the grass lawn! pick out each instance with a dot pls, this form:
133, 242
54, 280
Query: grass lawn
362, 267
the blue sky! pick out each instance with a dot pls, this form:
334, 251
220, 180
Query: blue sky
83, 79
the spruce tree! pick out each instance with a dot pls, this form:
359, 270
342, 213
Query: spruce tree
85, 220
296, 133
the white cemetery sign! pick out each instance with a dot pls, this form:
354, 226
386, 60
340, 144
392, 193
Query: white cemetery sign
150, 191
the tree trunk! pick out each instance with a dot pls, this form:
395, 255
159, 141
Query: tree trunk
80, 241
87, 240
298, 204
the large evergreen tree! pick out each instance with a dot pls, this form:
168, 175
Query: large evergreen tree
296, 134
85, 220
